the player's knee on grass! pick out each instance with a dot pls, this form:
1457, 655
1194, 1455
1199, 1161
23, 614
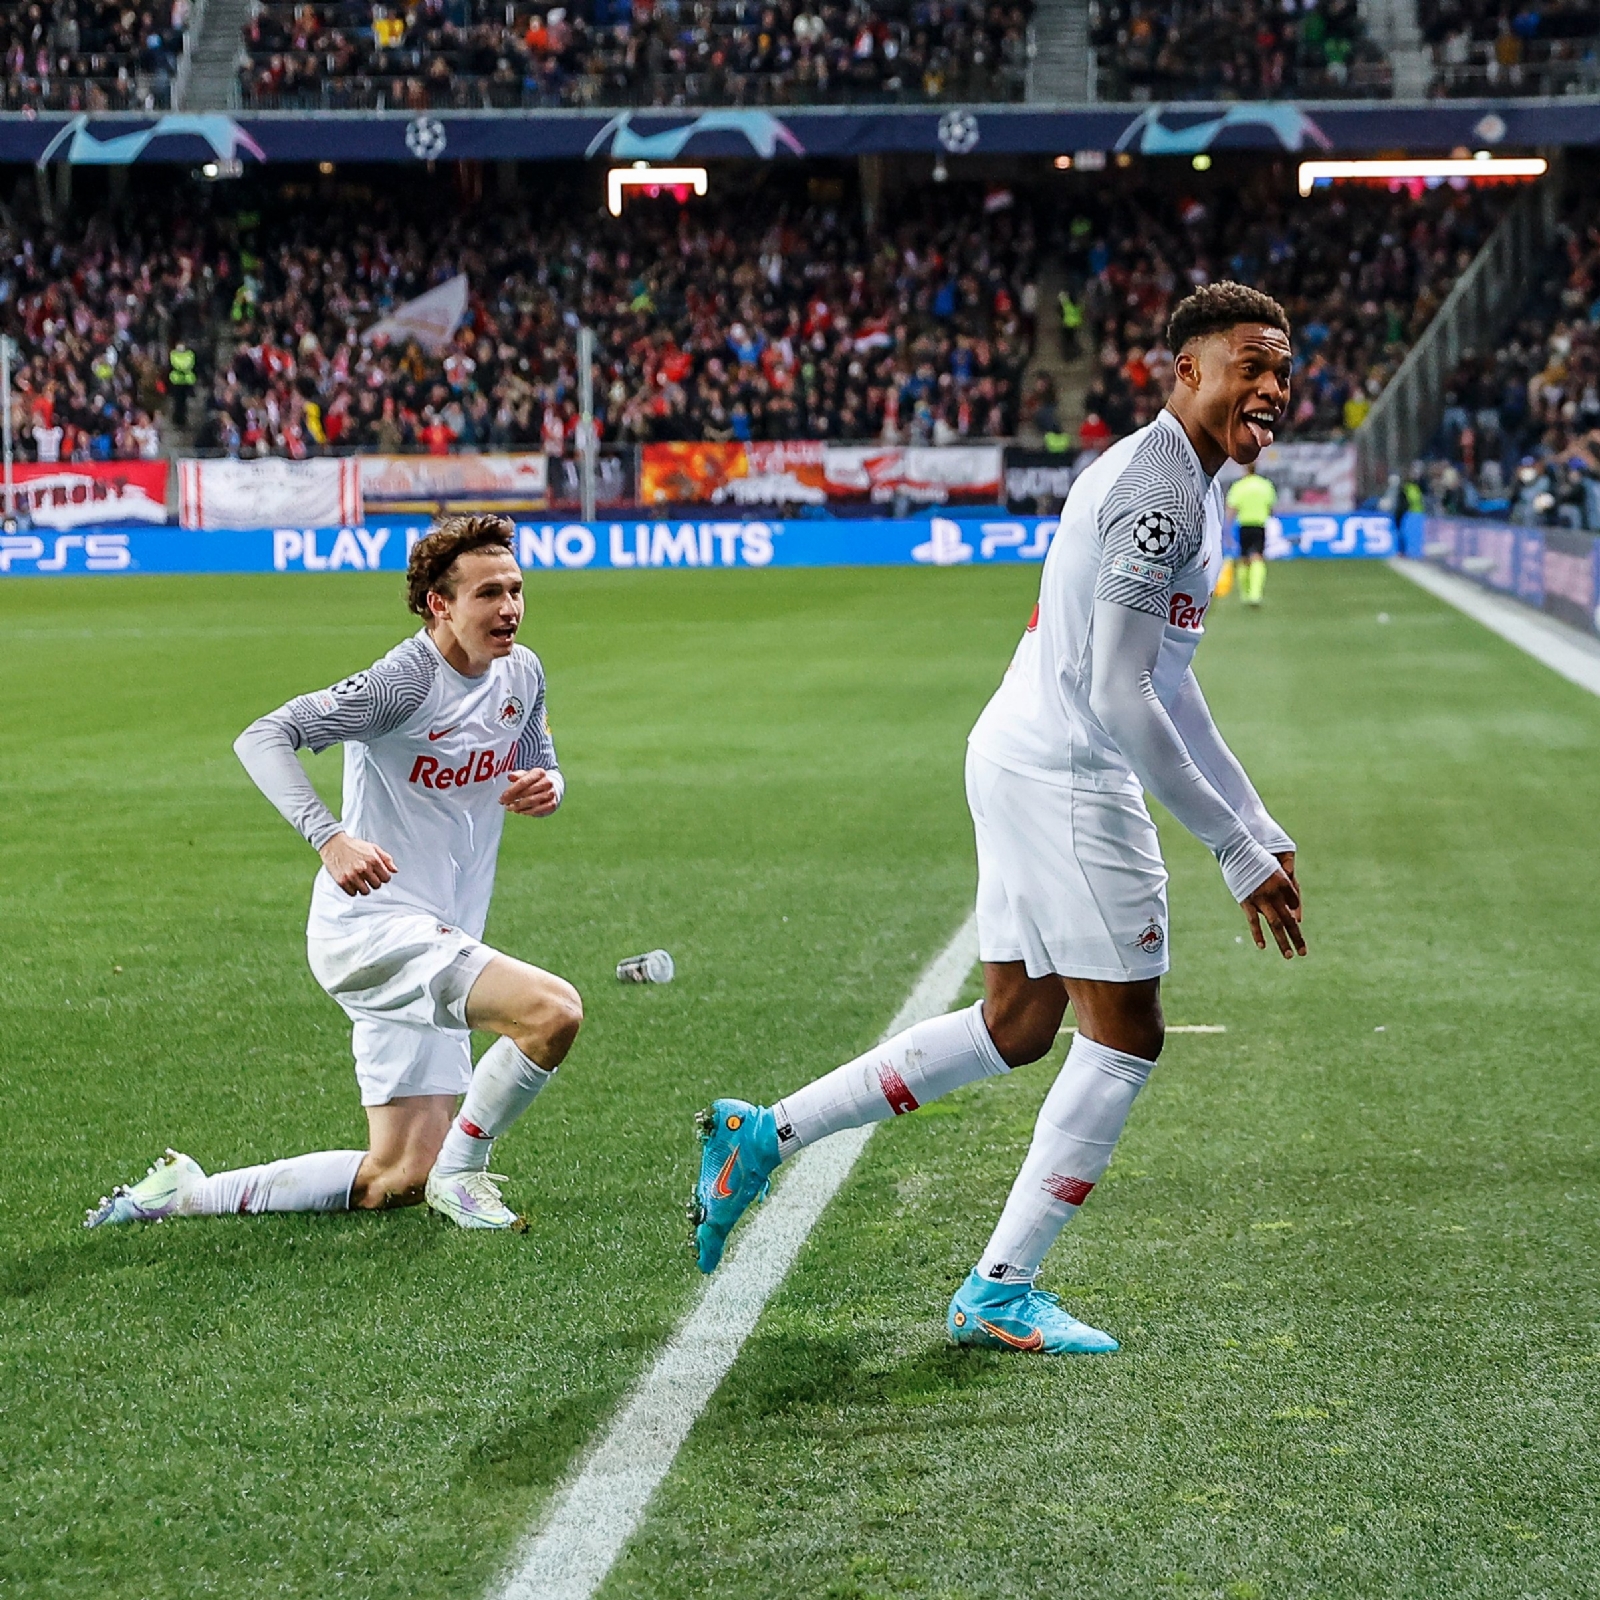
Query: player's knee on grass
389, 1187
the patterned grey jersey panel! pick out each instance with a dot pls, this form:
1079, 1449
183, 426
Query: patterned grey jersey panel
536, 748
367, 705
1152, 524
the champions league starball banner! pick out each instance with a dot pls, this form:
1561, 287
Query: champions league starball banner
1181, 129
552, 546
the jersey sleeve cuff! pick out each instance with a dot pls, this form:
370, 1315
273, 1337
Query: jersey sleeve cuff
1245, 867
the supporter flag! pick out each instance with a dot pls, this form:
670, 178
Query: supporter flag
430, 319
270, 493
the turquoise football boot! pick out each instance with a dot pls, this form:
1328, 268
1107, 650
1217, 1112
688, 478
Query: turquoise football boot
1016, 1316
164, 1191
739, 1149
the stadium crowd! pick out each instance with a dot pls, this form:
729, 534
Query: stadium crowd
777, 316
1360, 272
489, 53
1234, 50
763, 318
1521, 427
90, 55
1512, 47
96, 313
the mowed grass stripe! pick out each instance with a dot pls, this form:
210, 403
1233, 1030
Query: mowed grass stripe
765, 777
1351, 1247
596, 1514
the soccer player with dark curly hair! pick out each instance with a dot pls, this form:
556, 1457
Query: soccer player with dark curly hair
442, 738
1100, 704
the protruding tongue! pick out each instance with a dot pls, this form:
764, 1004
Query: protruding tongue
1262, 435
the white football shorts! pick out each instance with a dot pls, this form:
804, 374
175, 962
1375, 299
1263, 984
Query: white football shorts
403, 979
1070, 881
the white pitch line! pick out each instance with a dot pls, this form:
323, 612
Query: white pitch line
1564, 650
1187, 1027
593, 1518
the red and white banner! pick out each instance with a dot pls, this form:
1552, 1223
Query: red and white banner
270, 494
429, 485
924, 475
79, 494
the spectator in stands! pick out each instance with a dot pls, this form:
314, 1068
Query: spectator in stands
1361, 272
90, 55
96, 312
770, 319
1512, 47
490, 53
1520, 431
1226, 50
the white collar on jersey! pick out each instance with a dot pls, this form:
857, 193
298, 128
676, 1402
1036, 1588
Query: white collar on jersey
1165, 419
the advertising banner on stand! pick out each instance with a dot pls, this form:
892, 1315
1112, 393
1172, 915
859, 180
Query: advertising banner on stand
233, 494
784, 473
1308, 476
1040, 480
431, 485
1555, 570
1314, 535
551, 545
921, 475
84, 494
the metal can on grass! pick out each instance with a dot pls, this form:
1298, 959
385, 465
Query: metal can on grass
653, 967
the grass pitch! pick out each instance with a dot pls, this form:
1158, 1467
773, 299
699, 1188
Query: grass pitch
1349, 1246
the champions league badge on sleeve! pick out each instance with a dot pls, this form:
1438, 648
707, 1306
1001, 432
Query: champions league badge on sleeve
1155, 533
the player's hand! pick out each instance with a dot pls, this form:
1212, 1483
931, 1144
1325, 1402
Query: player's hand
531, 793
1277, 902
356, 866
1286, 861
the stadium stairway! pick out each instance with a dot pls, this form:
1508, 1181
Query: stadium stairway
213, 79
1392, 24
1071, 378
1061, 63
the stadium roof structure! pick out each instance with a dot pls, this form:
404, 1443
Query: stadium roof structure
1177, 128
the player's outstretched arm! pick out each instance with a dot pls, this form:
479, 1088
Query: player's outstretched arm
1122, 694
1191, 716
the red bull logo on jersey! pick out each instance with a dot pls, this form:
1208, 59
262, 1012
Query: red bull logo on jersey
1184, 612
510, 713
483, 766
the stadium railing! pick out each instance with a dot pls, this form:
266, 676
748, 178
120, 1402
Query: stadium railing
415, 92
1405, 416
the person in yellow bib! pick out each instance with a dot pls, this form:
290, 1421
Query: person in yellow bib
1251, 500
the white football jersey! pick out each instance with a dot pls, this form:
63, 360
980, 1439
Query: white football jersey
1141, 527
427, 754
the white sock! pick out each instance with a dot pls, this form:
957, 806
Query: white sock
928, 1060
1078, 1128
318, 1182
504, 1084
